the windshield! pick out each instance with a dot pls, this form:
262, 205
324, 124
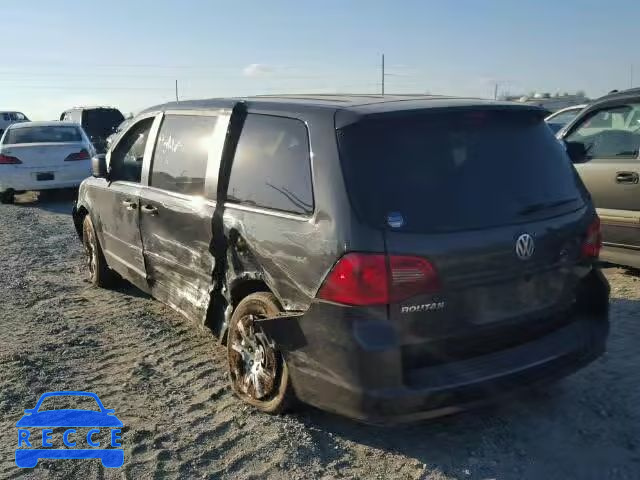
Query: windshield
455, 171
101, 122
48, 134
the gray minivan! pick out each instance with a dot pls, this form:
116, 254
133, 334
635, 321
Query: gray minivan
386, 258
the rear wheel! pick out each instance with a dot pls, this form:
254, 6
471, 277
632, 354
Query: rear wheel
8, 196
99, 273
258, 371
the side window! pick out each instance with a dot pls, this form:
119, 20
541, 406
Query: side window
6, 116
611, 132
181, 153
272, 167
126, 158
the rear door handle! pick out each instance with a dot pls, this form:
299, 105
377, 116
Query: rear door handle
627, 177
130, 205
150, 209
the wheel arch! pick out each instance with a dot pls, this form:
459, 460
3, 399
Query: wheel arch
78, 214
238, 289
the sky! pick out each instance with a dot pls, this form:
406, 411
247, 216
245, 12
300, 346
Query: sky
129, 53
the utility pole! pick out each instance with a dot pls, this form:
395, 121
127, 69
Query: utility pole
383, 74
177, 100
495, 91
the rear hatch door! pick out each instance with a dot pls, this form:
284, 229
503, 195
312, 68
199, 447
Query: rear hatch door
491, 200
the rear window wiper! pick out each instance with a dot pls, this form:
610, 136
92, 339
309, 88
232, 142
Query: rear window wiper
536, 207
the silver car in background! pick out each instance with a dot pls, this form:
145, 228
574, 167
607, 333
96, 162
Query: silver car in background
558, 120
43, 156
8, 118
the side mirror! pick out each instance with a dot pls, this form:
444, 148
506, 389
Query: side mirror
576, 151
99, 166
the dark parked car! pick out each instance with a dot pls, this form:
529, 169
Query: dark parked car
386, 258
604, 143
98, 122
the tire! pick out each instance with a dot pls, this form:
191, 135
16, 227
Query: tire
99, 273
258, 372
7, 197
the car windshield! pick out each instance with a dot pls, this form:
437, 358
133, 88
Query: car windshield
101, 122
454, 171
42, 134
62, 402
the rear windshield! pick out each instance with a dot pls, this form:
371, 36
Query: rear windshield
42, 135
101, 122
445, 172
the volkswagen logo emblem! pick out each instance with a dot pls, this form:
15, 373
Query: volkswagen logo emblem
525, 246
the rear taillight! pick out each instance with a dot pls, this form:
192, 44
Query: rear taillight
8, 160
81, 155
593, 241
375, 279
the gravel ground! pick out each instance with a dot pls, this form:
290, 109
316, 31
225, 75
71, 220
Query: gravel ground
167, 383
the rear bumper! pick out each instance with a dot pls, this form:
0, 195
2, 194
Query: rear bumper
620, 256
23, 178
454, 387
349, 363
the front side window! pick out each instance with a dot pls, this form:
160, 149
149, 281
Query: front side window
611, 132
272, 167
181, 153
128, 154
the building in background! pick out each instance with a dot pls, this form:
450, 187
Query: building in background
550, 102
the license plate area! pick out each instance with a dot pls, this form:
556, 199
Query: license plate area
520, 296
44, 176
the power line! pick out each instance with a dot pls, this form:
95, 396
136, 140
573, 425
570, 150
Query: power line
77, 87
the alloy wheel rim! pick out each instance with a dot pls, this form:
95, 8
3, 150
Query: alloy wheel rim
253, 360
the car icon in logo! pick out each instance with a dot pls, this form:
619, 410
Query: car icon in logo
74, 422
525, 246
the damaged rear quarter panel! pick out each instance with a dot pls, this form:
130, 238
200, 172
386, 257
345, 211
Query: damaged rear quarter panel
292, 253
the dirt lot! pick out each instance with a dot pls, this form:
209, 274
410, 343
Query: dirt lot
167, 383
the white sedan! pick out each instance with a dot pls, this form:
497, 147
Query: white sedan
43, 156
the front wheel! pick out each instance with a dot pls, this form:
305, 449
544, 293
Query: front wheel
258, 371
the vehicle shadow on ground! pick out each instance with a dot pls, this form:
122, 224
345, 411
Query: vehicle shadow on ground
631, 271
125, 288
448, 445
58, 203
516, 437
